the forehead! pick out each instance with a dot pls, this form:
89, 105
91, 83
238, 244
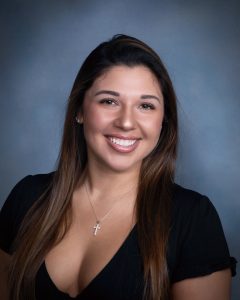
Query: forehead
137, 79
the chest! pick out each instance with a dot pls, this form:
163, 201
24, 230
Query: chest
82, 255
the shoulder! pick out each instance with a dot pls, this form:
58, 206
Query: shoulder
34, 183
186, 201
197, 242
24, 194
194, 213
184, 196
28, 189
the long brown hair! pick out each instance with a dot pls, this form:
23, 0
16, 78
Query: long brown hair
48, 220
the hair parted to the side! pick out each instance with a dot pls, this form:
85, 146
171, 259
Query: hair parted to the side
49, 219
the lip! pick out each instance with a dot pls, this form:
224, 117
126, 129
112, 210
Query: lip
119, 136
120, 148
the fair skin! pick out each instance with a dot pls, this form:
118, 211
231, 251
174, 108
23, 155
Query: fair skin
122, 117
216, 286
124, 103
212, 287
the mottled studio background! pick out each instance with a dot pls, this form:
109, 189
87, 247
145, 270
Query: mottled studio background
43, 44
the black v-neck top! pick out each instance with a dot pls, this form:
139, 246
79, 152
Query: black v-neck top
196, 246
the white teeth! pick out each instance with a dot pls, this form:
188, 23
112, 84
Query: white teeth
124, 143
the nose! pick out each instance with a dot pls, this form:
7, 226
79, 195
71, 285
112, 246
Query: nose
125, 119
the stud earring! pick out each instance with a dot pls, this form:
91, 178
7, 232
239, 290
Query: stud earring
77, 120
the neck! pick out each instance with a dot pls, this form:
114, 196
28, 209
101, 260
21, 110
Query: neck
107, 184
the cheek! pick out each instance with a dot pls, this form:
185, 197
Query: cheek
95, 119
153, 127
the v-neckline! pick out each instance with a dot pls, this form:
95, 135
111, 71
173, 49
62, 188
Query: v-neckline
100, 273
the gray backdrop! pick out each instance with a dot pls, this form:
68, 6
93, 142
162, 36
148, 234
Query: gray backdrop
43, 44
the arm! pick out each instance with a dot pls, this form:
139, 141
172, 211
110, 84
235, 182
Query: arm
4, 264
215, 286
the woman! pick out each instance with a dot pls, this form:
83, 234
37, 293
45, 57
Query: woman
110, 223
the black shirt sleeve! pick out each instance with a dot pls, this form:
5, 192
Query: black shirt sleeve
12, 214
202, 247
21, 198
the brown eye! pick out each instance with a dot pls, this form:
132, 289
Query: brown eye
108, 101
147, 106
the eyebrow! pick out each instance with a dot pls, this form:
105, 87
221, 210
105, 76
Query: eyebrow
108, 92
113, 93
150, 97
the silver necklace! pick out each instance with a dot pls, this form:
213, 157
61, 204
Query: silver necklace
97, 226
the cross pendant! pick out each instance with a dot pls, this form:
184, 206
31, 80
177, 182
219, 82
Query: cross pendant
96, 228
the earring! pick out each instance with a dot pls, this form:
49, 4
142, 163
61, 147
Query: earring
77, 120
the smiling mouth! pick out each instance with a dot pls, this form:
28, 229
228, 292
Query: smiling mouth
122, 142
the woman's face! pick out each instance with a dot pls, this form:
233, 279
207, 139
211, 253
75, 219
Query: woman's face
122, 117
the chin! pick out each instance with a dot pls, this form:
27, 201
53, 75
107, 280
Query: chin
121, 167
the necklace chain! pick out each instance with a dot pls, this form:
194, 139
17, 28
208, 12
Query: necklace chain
100, 220
93, 209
